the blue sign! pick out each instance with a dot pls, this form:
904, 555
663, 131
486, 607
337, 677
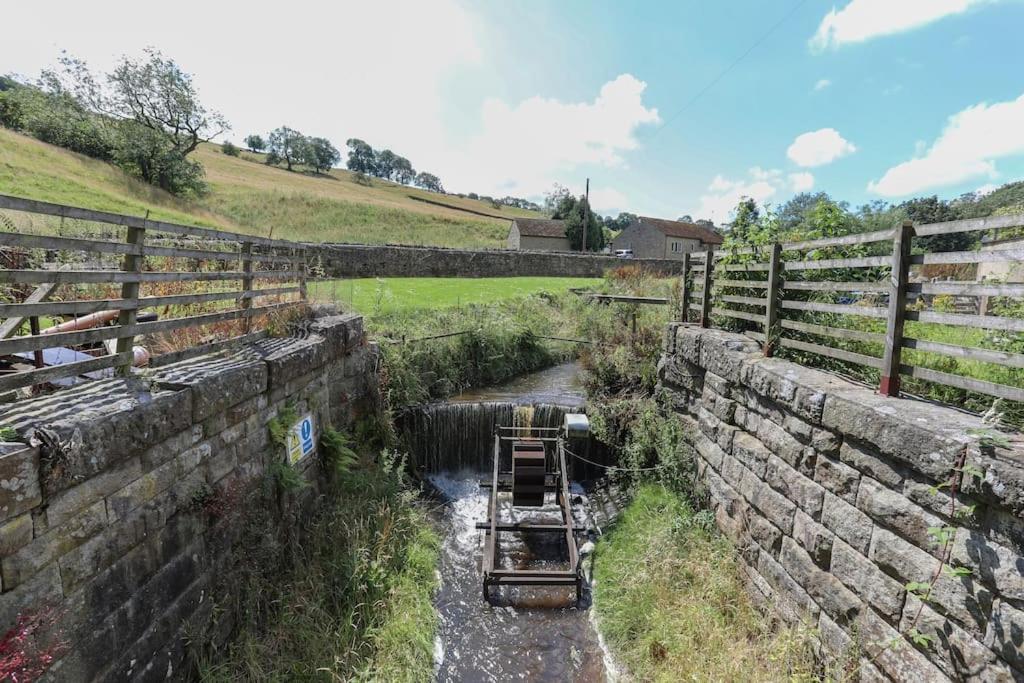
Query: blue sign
306, 435
300, 439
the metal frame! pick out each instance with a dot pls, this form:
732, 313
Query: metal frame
556, 481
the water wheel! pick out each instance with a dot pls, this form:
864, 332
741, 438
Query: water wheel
529, 472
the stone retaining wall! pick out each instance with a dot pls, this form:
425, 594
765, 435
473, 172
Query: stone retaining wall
109, 520
360, 260
826, 489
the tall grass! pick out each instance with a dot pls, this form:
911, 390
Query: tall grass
353, 600
298, 215
671, 602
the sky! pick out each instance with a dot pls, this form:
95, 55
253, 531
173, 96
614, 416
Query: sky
676, 107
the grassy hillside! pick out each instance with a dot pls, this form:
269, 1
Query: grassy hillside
248, 196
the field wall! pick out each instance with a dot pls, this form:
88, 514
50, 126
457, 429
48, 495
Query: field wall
828, 491
359, 261
120, 517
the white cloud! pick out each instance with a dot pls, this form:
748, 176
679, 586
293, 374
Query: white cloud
862, 20
819, 147
523, 148
491, 146
719, 202
801, 182
339, 84
967, 148
822, 84
608, 200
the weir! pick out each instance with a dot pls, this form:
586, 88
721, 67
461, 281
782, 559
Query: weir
459, 436
524, 632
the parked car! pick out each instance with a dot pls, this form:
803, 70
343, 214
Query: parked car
623, 253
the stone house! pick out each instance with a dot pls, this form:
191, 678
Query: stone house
538, 234
660, 238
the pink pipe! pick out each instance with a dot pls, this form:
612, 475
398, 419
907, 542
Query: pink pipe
83, 323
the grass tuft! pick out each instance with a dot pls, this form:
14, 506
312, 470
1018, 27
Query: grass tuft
672, 605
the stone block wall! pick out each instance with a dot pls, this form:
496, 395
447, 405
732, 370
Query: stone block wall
826, 488
103, 516
368, 260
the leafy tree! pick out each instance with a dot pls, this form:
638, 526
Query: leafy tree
935, 210
153, 109
685, 218
142, 151
361, 157
793, 214
574, 227
558, 201
748, 216
59, 118
288, 145
321, 154
829, 219
384, 163
430, 182
255, 143
622, 221
403, 172
229, 148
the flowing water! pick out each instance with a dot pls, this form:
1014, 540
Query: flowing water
524, 633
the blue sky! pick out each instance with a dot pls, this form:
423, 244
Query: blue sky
893, 98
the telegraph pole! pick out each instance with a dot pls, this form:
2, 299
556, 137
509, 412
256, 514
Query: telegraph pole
586, 216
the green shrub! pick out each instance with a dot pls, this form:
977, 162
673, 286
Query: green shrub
336, 451
230, 149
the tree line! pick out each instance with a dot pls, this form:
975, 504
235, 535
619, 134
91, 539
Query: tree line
364, 161
290, 147
810, 215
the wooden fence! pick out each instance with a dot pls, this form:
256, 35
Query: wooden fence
216, 256
774, 290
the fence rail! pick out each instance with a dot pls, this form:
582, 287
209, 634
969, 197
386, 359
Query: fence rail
779, 297
271, 273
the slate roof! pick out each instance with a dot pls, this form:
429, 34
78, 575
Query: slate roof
540, 227
686, 230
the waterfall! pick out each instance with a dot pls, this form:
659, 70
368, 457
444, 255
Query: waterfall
460, 436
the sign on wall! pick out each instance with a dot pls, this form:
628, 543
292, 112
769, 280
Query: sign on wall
300, 439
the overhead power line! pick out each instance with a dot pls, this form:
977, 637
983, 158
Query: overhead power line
700, 93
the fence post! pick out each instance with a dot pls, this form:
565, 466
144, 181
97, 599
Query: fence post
303, 293
890, 381
246, 255
130, 290
774, 300
705, 304
684, 289
33, 328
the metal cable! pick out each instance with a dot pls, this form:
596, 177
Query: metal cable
612, 467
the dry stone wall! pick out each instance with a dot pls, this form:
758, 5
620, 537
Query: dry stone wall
363, 260
826, 488
106, 521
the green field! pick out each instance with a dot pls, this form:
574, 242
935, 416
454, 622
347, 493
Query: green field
378, 296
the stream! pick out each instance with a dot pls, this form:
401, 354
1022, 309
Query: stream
525, 633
